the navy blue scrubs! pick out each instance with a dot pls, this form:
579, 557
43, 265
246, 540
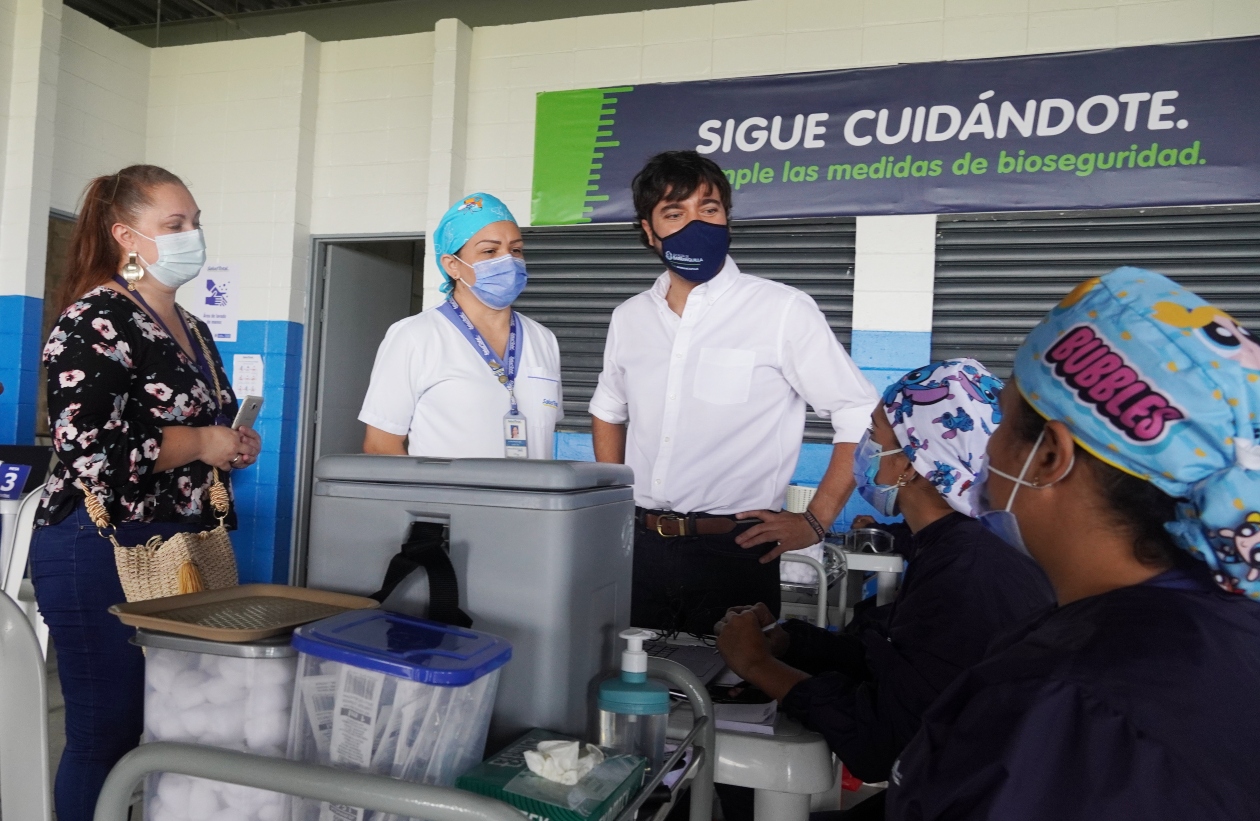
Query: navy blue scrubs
963, 587
1141, 703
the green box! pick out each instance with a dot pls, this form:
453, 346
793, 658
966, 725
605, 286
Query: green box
492, 776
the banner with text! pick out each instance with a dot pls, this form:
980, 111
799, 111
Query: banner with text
1153, 125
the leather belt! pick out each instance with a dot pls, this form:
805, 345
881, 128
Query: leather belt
672, 525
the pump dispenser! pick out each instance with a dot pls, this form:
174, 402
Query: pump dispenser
634, 712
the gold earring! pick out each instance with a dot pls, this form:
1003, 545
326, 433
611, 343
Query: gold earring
132, 272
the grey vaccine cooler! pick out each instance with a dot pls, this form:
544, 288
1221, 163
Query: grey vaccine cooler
542, 551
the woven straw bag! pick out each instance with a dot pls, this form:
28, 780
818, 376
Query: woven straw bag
184, 563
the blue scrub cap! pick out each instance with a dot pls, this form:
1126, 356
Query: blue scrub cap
1160, 384
461, 221
943, 415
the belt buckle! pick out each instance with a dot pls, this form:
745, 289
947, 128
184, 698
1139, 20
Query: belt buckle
682, 526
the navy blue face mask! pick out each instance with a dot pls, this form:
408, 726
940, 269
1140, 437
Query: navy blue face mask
698, 251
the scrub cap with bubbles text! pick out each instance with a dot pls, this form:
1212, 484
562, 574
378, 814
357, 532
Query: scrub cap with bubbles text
461, 221
1155, 381
943, 415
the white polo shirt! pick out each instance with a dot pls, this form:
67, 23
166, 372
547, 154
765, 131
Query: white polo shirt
715, 399
429, 384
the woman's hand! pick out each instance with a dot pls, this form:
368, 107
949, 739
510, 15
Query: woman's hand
746, 650
249, 445
789, 530
218, 446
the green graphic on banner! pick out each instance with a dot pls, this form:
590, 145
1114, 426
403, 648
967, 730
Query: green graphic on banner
570, 131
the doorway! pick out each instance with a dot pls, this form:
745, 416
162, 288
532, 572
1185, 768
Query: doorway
359, 287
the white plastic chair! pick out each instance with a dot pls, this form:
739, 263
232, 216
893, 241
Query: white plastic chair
23, 719
16, 587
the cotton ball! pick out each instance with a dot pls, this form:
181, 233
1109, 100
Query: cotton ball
230, 814
246, 799
169, 727
209, 664
222, 691
156, 708
228, 724
266, 731
269, 812
186, 691
236, 670
272, 750
202, 800
160, 669
197, 720
275, 671
269, 700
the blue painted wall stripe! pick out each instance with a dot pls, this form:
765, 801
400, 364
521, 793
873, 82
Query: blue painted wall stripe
264, 492
904, 350
20, 346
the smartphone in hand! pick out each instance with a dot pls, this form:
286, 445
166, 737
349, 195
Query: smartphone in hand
248, 414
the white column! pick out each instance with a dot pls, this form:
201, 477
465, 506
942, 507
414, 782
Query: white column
28, 145
893, 278
452, 58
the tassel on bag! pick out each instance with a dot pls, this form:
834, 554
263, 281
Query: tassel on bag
190, 579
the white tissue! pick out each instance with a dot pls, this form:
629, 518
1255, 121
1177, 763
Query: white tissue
562, 761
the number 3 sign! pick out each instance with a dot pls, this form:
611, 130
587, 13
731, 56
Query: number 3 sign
12, 480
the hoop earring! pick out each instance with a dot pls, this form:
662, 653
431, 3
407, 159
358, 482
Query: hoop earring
132, 272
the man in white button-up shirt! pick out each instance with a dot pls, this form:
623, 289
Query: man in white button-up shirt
705, 382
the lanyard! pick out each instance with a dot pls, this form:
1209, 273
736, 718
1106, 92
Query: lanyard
202, 364
506, 372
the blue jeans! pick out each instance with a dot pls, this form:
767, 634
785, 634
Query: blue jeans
102, 674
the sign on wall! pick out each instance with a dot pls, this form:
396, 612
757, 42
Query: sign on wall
1155, 125
214, 295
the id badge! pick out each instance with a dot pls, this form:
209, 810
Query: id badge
515, 436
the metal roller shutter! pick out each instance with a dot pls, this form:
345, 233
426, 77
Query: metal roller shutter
578, 274
997, 275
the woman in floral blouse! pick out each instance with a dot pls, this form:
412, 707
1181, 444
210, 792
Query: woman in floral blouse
135, 420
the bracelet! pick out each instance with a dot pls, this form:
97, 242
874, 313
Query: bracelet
812, 521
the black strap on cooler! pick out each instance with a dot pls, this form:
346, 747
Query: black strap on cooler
426, 547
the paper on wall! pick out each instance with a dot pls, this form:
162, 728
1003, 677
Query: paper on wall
214, 294
247, 374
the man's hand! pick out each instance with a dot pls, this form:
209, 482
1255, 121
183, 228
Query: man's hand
777, 637
790, 530
862, 521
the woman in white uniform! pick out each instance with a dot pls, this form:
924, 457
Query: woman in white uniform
469, 377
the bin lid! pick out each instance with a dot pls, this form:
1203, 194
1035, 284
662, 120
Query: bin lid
275, 647
415, 649
511, 474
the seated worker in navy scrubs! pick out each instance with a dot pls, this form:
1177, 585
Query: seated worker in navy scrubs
964, 586
1128, 464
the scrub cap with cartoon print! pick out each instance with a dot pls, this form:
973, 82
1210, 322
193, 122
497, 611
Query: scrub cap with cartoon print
461, 221
943, 415
1160, 384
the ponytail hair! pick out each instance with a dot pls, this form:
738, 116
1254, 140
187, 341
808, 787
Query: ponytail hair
94, 255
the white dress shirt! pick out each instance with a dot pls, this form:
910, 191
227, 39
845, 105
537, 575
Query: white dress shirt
429, 384
715, 399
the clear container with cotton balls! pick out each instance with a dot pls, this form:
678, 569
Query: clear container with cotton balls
634, 711
219, 694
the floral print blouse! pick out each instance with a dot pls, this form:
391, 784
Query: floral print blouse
115, 379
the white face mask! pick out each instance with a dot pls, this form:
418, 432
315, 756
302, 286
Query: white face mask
1002, 522
180, 257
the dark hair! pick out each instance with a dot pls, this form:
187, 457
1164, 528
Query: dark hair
94, 254
673, 176
1135, 504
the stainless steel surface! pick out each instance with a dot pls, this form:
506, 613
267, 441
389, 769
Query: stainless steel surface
271, 648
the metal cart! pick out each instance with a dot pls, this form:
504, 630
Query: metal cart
376, 792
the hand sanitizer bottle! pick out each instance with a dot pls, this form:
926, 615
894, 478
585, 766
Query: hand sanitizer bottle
634, 712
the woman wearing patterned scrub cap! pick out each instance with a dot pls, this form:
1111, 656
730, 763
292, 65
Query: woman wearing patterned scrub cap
866, 691
1127, 465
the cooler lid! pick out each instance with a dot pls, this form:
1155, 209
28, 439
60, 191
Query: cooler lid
513, 474
403, 646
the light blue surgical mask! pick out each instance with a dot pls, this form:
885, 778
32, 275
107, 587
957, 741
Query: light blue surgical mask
499, 280
1002, 523
865, 467
180, 257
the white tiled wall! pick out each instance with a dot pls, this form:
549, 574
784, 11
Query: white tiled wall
102, 100
372, 135
512, 63
894, 272
236, 120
